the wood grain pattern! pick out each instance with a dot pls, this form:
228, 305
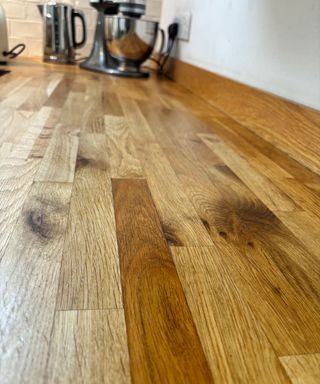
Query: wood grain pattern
29, 273
89, 347
60, 94
304, 369
230, 211
15, 99
243, 141
304, 226
16, 177
269, 194
43, 89
273, 118
237, 300
289, 319
123, 161
140, 129
180, 223
5, 150
40, 146
217, 306
153, 296
23, 149
58, 164
90, 276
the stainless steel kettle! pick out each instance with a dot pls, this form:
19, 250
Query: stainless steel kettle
59, 32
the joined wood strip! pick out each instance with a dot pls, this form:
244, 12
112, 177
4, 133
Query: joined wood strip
89, 347
153, 296
234, 133
180, 223
292, 128
236, 347
270, 195
122, 156
289, 319
60, 94
43, 90
29, 275
58, 164
16, 178
231, 212
303, 369
90, 274
41, 144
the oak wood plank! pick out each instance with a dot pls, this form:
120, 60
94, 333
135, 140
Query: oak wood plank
140, 129
58, 164
5, 150
289, 319
301, 194
99, 103
233, 214
92, 163
303, 369
23, 149
172, 126
122, 156
241, 141
26, 137
88, 347
289, 164
163, 343
41, 144
180, 222
230, 211
306, 227
16, 178
71, 121
43, 89
292, 128
18, 96
29, 273
90, 275
234, 342
11, 83
14, 124
60, 93
111, 104
231, 131
269, 194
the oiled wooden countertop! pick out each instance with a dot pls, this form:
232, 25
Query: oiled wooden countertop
147, 237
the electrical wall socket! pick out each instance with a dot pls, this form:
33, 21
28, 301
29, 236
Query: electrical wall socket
184, 19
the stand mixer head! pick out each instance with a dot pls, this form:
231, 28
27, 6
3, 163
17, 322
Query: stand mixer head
122, 41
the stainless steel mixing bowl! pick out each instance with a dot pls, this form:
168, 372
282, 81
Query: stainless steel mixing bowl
130, 40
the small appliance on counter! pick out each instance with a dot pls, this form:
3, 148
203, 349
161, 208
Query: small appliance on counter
5, 53
59, 32
122, 41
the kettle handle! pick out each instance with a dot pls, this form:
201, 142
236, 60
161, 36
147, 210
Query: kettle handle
74, 15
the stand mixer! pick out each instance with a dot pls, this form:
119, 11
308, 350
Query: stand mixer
122, 40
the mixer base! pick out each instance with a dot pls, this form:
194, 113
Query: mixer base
116, 71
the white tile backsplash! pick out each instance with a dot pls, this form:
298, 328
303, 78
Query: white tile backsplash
25, 25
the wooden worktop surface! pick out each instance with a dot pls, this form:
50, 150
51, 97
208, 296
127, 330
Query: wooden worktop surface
148, 237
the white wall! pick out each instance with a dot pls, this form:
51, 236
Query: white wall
270, 44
